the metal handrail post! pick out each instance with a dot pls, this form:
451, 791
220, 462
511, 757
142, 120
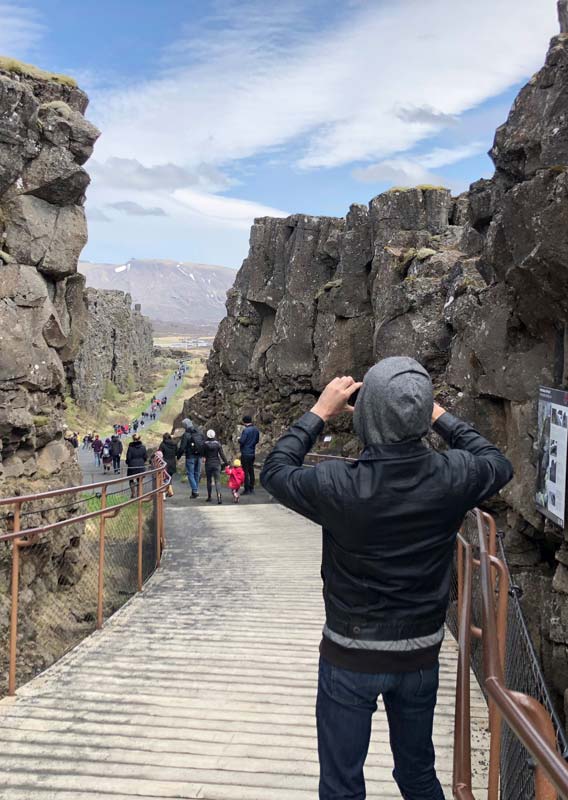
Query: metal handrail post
495, 716
459, 557
100, 587
462, 735
15, 586
140, 536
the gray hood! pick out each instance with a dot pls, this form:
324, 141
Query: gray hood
395, 403
187, 424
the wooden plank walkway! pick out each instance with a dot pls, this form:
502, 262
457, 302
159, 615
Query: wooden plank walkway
204, 685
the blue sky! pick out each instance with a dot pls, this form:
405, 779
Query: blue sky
215, 112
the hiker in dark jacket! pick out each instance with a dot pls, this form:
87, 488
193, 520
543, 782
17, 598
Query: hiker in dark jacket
191, 446
116, 451
248, 441
389, 522
169, 449
136, 458
214, 460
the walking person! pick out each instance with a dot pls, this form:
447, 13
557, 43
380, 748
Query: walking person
168, 448
97, 449
116, 451
191, 446
389, 522
106, 455
214, 458
248, 441
236, 478
136, 458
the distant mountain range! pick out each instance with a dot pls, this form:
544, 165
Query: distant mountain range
177, 296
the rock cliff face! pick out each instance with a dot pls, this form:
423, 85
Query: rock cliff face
474, 287
44, 142
118, 347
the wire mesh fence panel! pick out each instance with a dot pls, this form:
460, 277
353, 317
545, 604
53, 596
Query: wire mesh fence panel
5, 604
522, 674
149, 530
121, 554
57, 599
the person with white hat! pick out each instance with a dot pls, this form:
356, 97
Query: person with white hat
214, 460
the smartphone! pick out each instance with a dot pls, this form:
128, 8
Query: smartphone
353, 399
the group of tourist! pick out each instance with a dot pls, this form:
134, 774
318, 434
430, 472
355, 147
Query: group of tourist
208, 451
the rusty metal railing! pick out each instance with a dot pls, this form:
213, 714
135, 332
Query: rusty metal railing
117, 527
527, 718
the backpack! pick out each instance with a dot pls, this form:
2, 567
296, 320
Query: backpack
106, 451
195, 445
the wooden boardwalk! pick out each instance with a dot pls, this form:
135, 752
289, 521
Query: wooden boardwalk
204, 685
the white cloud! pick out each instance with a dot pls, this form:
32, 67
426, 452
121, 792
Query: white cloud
398, 172
20, 30
363, 86
443, 156
251, 85
229, 211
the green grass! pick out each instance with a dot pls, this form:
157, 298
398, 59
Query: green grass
165, 422
21, 68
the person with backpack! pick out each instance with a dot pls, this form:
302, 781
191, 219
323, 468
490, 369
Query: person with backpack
191, 445
116, 451
248, 441
136, 457
106, 455
214, 460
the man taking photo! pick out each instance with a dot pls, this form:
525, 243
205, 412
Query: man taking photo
389, 522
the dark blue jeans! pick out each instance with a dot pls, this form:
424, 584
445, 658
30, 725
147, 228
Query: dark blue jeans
193, 469
345, 705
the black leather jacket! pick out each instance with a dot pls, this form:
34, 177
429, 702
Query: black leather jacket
389, 522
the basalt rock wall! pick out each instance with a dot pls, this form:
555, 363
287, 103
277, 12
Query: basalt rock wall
44, 142
117, 348
475, 287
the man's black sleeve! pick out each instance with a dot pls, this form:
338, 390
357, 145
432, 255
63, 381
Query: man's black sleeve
283, 475
181, 446
491, 469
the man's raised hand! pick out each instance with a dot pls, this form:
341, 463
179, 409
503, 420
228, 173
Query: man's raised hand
334, 398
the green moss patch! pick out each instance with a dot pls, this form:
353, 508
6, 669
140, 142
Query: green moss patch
424, 253
327, 287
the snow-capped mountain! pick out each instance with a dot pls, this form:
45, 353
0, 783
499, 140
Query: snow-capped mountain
169, 291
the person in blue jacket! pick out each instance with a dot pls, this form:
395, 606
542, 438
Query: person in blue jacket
248, 441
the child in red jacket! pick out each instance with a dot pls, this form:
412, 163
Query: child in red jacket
236, 478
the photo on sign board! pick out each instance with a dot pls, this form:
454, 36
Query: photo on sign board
552, 454
543, 439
